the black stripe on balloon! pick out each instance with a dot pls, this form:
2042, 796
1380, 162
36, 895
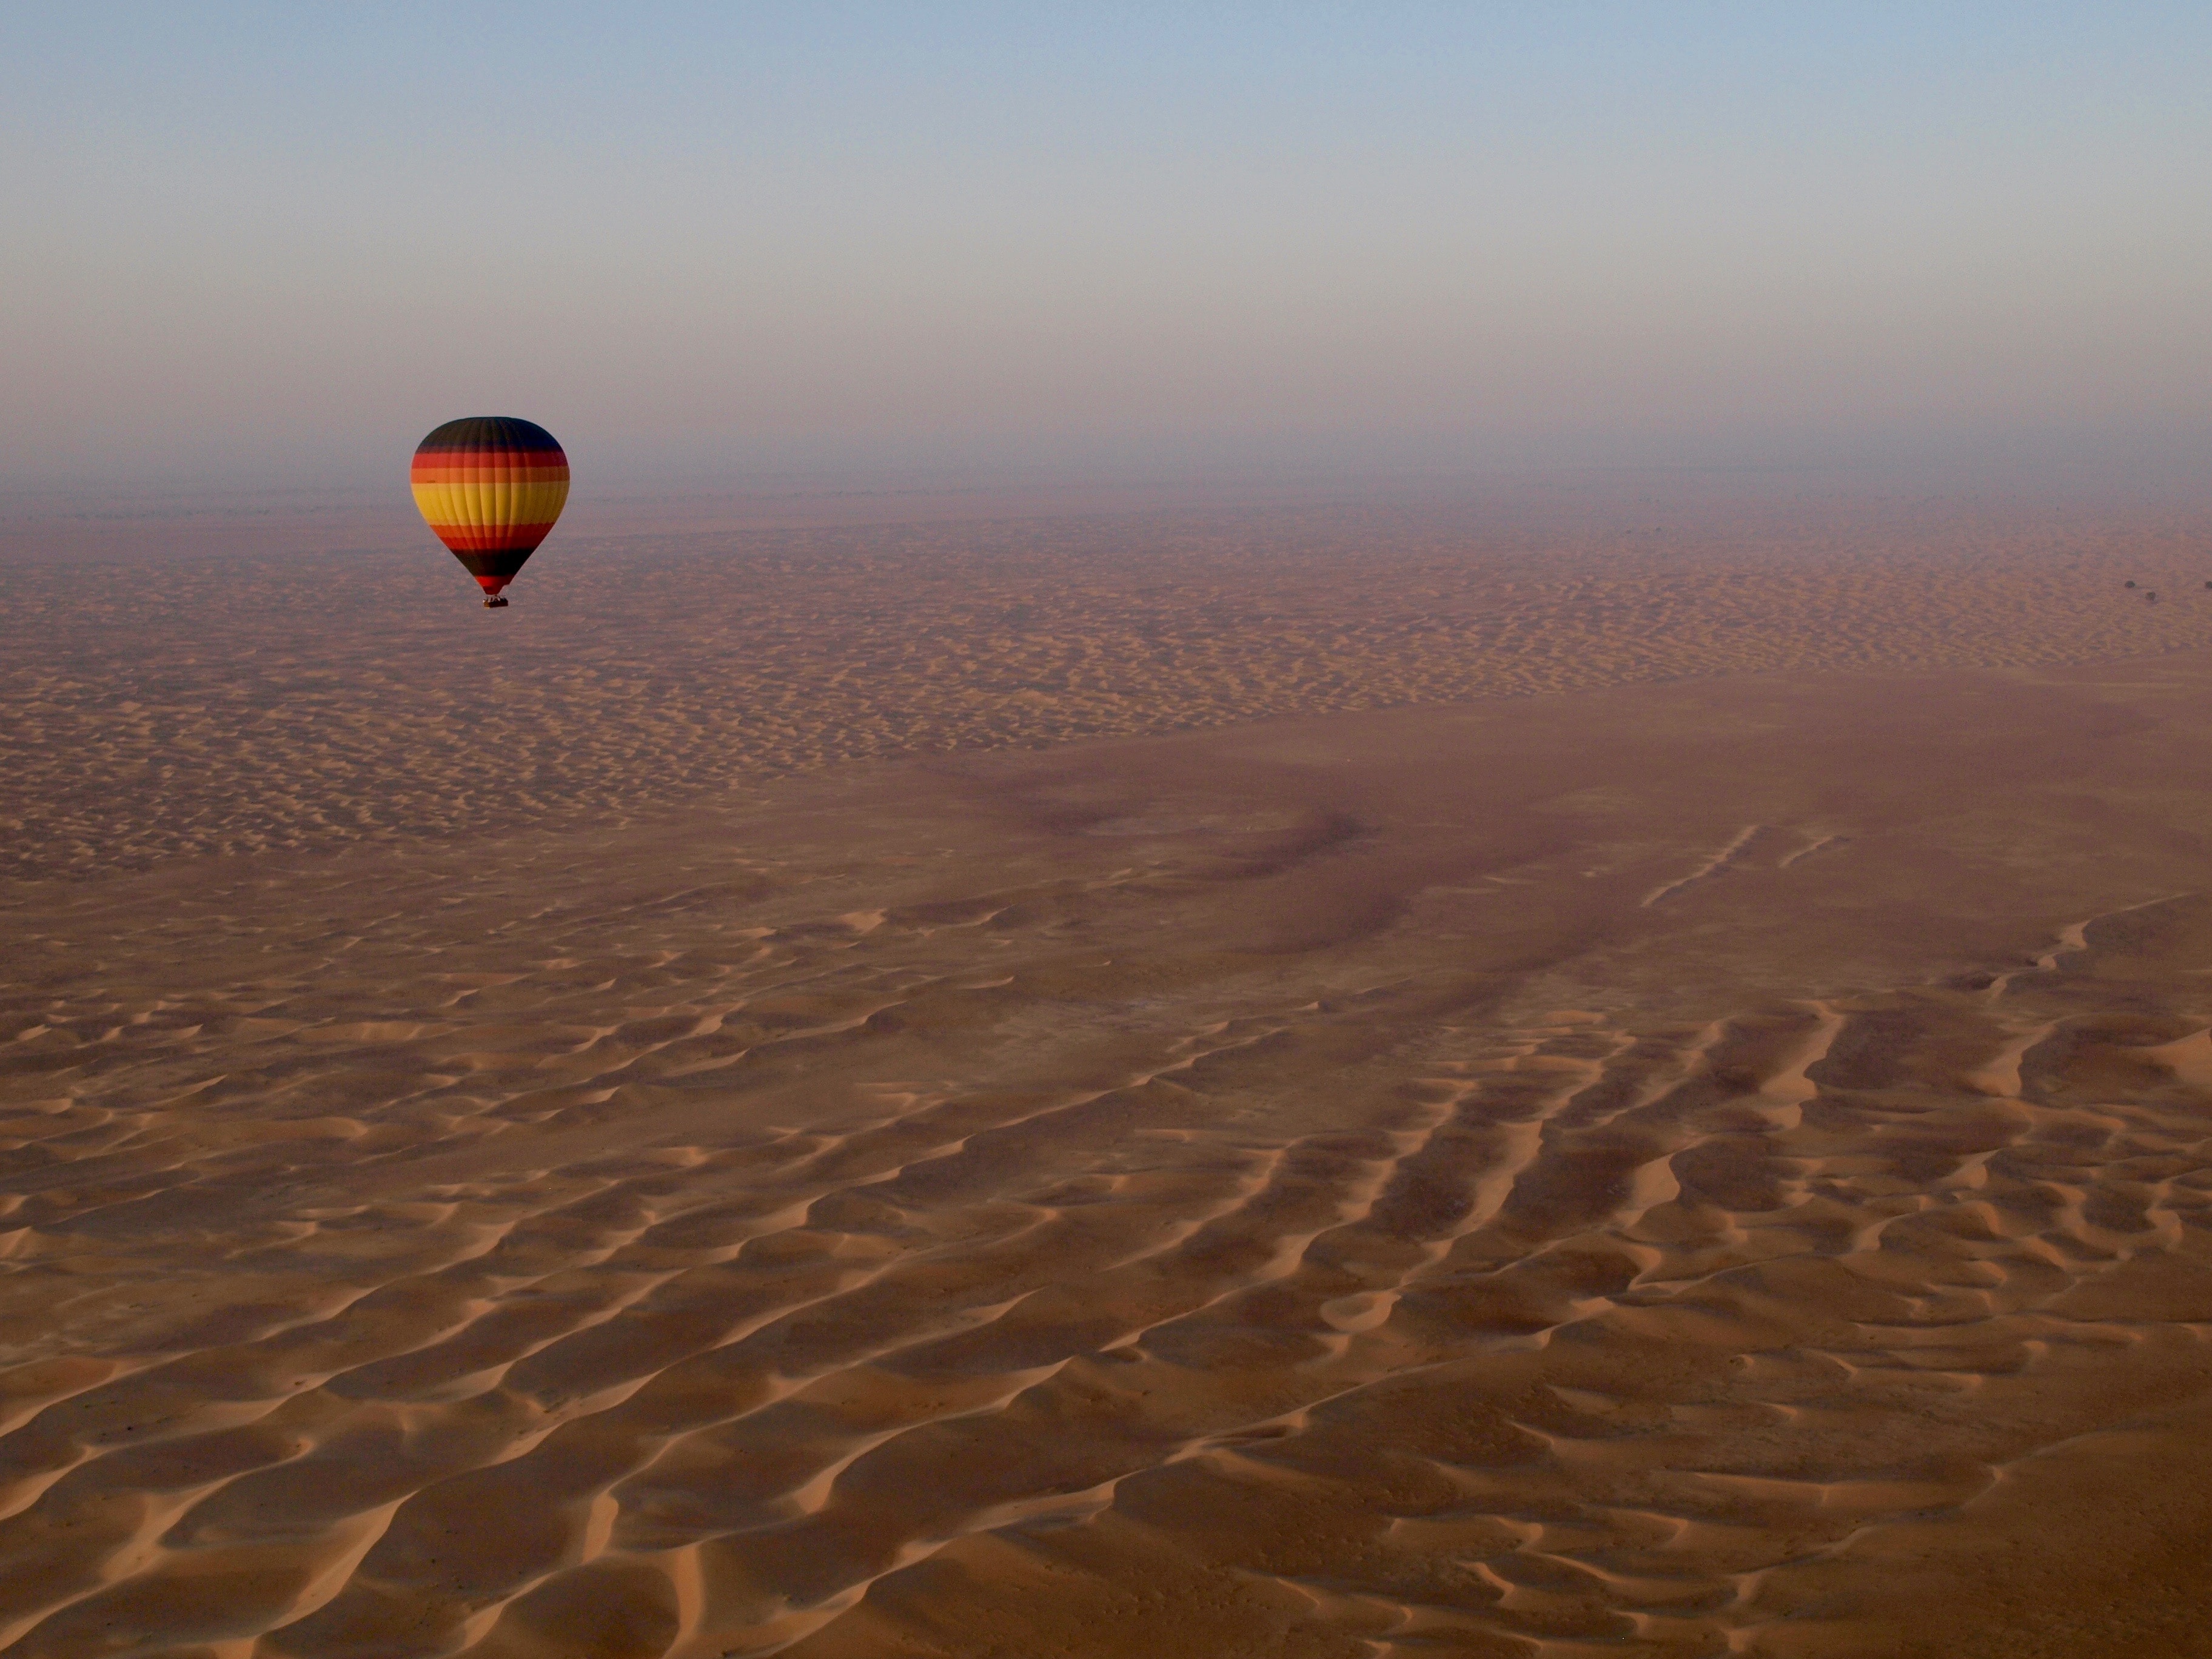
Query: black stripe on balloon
488, 432
495, 564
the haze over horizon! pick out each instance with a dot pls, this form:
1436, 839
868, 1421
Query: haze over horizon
254, 247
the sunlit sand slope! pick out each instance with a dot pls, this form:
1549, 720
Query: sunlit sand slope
159, 700
1678, 1170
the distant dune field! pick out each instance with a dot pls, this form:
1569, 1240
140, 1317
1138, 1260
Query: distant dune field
232, 693
1296, 1082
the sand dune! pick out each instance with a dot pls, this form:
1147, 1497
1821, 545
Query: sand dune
1688, 1168
247, 695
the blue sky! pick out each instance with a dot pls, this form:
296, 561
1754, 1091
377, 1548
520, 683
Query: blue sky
256, 244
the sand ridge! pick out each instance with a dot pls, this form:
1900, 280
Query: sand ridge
1560, 1176
168, 700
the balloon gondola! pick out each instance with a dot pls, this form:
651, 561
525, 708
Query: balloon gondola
491, 488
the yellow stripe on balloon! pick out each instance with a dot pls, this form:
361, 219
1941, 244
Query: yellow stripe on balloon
488, 505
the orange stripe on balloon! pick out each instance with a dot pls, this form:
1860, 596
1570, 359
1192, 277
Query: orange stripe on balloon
505, 538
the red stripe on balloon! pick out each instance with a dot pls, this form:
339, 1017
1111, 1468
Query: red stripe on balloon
533, 457
439, 469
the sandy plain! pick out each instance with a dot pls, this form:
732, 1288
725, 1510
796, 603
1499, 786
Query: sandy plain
1360, 1080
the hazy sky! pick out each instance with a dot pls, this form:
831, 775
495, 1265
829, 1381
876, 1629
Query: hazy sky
274, 243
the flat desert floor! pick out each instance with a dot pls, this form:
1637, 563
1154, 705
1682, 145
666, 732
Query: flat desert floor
1344, 1081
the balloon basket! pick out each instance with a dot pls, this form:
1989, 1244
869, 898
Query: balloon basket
495, 605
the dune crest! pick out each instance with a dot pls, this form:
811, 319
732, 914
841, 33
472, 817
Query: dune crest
1637, 1172
179, 701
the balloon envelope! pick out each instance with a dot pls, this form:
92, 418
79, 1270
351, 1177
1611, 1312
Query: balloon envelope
490, 487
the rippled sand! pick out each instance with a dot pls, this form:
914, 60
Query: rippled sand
1680, 1169
185, 690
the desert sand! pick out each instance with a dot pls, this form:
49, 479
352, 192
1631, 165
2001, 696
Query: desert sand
1260, 1080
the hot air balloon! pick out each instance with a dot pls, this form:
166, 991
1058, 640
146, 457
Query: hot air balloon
490, 487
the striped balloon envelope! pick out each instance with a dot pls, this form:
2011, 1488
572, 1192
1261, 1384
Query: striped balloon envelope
490, 487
